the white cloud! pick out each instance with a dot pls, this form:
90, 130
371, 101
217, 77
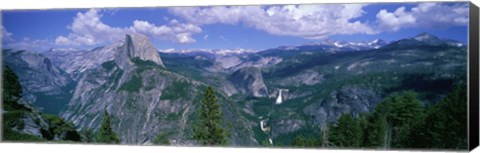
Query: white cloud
25, 43
6, 36
205, 37
424, 15
87, 29
175, 31
306, 21
30, 44
223, 38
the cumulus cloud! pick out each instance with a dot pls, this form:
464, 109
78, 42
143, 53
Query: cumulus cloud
87, 29
306, 21
424, 15
179, 32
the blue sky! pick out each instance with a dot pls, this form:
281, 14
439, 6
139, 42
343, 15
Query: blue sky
230, 27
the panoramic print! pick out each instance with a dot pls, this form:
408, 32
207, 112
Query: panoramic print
360, 76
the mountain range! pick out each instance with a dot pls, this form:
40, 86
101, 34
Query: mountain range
150, 92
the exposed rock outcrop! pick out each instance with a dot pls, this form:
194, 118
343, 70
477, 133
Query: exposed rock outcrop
354, 100
44, 85
143, 98
249, 80
138, 46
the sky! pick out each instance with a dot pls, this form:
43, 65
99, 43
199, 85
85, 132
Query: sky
255, 28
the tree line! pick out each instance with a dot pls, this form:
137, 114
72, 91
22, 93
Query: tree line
400, 121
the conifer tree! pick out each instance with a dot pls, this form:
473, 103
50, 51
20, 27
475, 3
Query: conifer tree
209, 130
375, 132
445, 125
346, 133
105, 133
394, 117
12, 90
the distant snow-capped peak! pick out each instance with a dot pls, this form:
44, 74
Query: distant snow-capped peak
221, 52
329, 44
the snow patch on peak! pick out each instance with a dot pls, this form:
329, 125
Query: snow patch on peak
219, 52
424, 37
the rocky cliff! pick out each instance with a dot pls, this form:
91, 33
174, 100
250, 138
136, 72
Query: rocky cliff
143, 98
44, 84
249, 80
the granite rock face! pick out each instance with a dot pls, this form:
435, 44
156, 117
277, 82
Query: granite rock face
353, 100
143, 98
249, 80
44, 84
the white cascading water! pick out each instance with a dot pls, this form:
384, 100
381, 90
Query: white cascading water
279, 98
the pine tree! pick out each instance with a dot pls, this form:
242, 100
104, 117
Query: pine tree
375, 132
12, 91
209, 131
445, 125
406, 111
105, 133
347, 132
401, 111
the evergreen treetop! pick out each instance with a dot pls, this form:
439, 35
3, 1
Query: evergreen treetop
209, 131
106, 133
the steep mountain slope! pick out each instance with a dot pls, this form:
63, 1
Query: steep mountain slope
143, 98
45, 85
21, 122
148, 93
249, 81
323, 85
75, 62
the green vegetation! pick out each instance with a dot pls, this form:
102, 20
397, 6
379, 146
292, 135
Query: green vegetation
346, 133
141, 62
105, 133
209, 130
375, 131
13, 119
11, 91
266, 143
178, 89
302, 141
61, 129
133, 85
401, 111
399, 119
87, 135
161, 139
444, 125
108, 65
10, 135
131, 103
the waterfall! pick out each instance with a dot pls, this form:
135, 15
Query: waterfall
279, 98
